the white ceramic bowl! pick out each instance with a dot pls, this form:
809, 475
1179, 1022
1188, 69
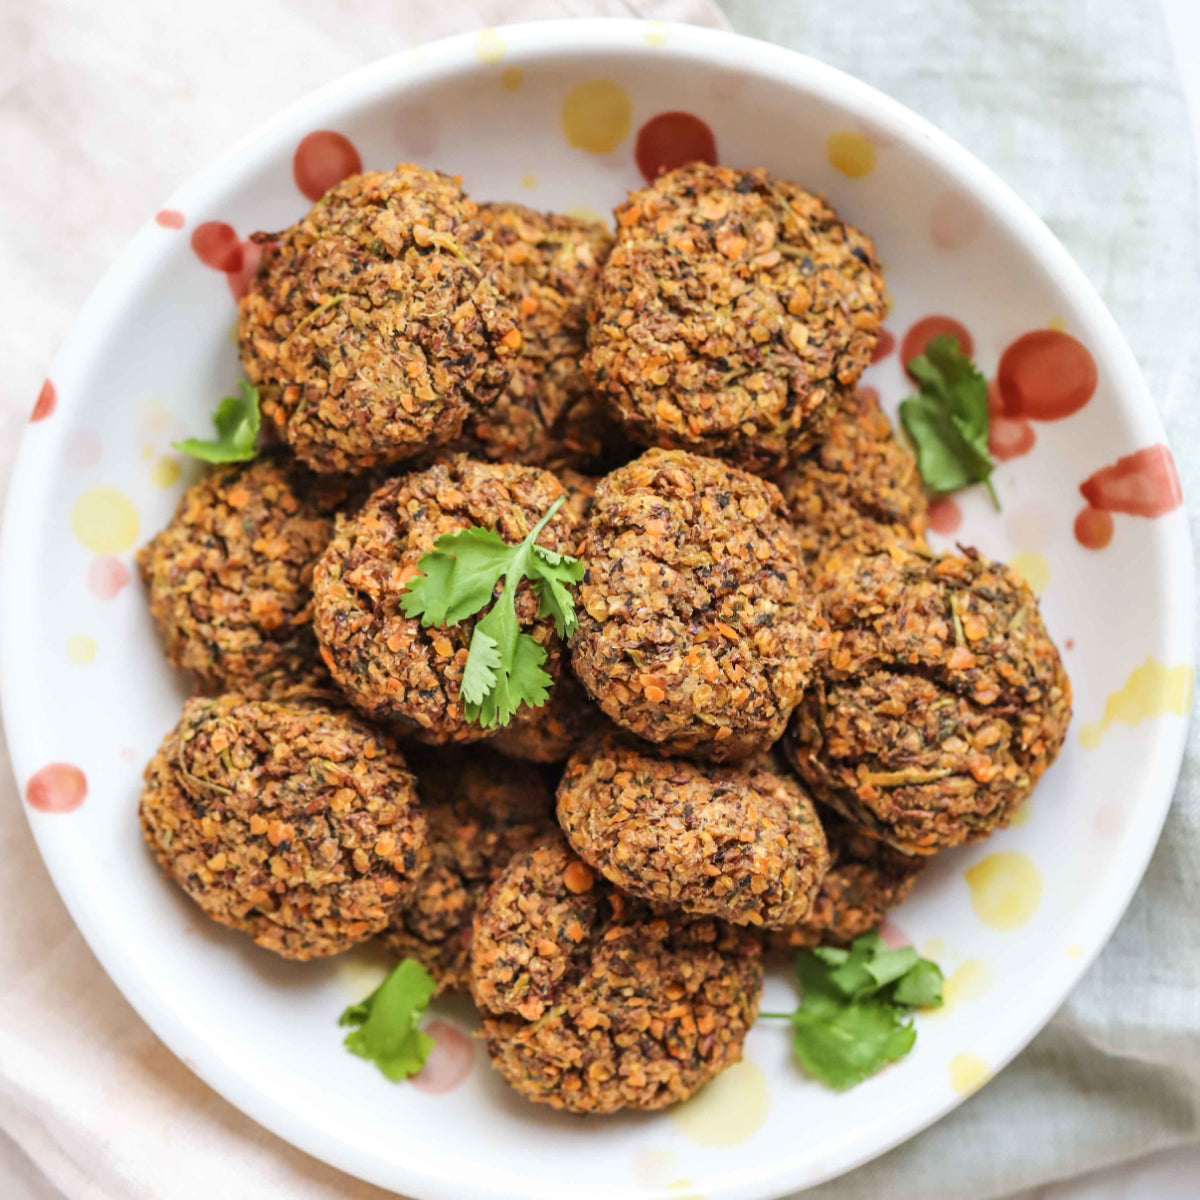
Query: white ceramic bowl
1015, 921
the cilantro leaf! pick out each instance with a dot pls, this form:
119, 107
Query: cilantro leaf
852, 1019
457, 579
386, 1024
948, 420
237, 420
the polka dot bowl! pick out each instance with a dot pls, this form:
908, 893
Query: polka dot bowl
567, 116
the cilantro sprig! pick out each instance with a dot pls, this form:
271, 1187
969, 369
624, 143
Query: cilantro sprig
457, 580
852, 1019
948, 419
386, 1025
237, 420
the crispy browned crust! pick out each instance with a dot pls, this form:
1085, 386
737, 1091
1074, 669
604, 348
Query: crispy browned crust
376, 324
229, 579
733, 309
481, 810
592, 1002
867, 880
857, 482
697, 627
943, 702
294, 824
742, 843
389, 666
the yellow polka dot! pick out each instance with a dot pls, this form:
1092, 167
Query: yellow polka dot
581, 212
967, 982
512, 78
968, 1073
155, 414
104, 521
652, 1167
656, 34
166, 471
1075, 950
489, 46
233, 335
683, 1189
529, 181
1152, 690
148, 452
727, 1111
361, 970
1006, 889
81, 648
1033, 568
1058, 324
851, 153
596, 116
935, 948
1022, 815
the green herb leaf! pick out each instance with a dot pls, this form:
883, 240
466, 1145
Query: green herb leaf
237, 420
852, 1017
948, 420
387, 1022
458, 578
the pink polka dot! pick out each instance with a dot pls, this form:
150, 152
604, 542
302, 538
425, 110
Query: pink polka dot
1069, 643
954, 221
169, 218
870, 393
449, 1062
1109, 819
1009, 437
107, 576
241, 279
945, 516
82, 448
322, 160
57, 788
1093, 528
417, 130
46, 402
884, 346
217, 245
894, 938
128, 754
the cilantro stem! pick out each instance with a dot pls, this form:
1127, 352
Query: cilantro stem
777, 1016
992, 492
533, 536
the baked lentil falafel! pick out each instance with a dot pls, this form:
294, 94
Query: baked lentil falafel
294, 824
697, 627
388, 665
857, 483
734, 308
230, 577
593, 1002
480, 811
943, 700
376, 325
741, 843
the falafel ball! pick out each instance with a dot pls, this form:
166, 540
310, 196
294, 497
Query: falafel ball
734, 308
388, 665
480, 811
294, 824
697, 627
376, 325
943, 701
566, 719
593, 1002
857, 482
867, 880
742, 843
548, 415
230, 577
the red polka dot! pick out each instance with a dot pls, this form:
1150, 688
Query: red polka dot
670, 140
1069, 643
926, 329
169, 218
449, 1062
58, 788
1143, 484
1009, 437
894, 938
46, 402
945, 516
1046, 375
217, 245
82, 448
323, 160
106, 577
995, 400
1093, 528
884, 346
241, 279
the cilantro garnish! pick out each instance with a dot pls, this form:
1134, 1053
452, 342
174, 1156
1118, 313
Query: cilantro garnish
237, 420
457, 580
948, 420
386, 1022
851, 1019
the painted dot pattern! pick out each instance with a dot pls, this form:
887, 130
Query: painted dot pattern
321, 161
673, 139
1046, 375
449, 1062
104, 520
107, 576
46, 402
851, 152
1006, 889
169, 218
56, 788
926, 329
596, 116
728, 1110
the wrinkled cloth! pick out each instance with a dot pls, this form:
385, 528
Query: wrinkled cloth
104, 109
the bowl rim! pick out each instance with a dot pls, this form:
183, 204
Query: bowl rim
125, 279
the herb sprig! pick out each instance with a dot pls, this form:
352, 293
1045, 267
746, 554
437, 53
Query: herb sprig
457, 580
386, 1025
851, 1021
948, 419
237, 420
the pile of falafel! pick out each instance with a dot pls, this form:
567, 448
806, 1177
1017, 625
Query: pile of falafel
779, 701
